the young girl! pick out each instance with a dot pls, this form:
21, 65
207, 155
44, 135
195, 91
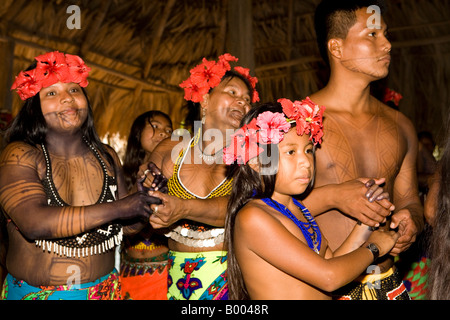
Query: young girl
275, 248
143, 269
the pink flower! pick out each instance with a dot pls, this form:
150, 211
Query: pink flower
244, 145
229, 154
273, 126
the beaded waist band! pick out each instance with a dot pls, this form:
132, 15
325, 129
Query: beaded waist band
131, 267
95, 242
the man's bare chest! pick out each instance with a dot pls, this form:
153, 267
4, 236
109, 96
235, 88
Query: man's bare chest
374, 149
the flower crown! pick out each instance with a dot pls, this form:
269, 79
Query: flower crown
208, 75
270, 127
52, 67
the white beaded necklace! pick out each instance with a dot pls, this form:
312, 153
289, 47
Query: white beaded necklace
208, 158
49, 173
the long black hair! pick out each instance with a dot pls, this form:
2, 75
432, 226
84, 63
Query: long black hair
249, 184
135, 154
439, 243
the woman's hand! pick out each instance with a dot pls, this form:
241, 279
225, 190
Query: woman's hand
168, 212
150, 178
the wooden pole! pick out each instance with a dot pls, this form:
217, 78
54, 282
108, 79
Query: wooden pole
6, 76
240, 35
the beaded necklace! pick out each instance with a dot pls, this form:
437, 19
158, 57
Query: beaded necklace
52, 187
310, 229
188, 232
209, 158
96, 241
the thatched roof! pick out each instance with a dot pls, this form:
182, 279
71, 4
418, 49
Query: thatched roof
141, 50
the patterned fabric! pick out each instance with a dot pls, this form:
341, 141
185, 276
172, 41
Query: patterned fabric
144, 279
381, 286
105, 288
197, 276
416, 280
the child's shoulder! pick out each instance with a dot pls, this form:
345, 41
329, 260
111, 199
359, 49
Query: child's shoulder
254, 213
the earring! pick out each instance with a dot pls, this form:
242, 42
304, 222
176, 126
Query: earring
203, 115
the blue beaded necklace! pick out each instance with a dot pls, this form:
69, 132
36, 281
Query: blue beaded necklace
313, 237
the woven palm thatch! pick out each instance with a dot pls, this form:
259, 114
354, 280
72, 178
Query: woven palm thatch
141, 50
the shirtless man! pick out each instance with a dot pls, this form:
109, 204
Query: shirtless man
62, 191
364, 138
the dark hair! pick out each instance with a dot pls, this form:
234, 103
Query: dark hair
256, 186
194, 108
135, 154
333, 19
439, 242
29, 124
425, 135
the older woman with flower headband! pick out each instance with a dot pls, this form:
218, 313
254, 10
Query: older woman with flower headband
194, 208
60, 189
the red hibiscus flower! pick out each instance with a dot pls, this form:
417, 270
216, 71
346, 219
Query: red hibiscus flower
307, 115
225, 59
208, 75
194, 92
209, 72
51, 68
78, 70
391, 95
252, 80
26, 84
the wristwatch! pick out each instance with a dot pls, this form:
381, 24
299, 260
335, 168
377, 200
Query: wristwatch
374, 249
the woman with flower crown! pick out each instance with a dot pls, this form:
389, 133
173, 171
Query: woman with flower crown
194, 208
62, 191
275, 248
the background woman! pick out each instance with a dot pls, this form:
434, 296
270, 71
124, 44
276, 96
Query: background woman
143, 270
